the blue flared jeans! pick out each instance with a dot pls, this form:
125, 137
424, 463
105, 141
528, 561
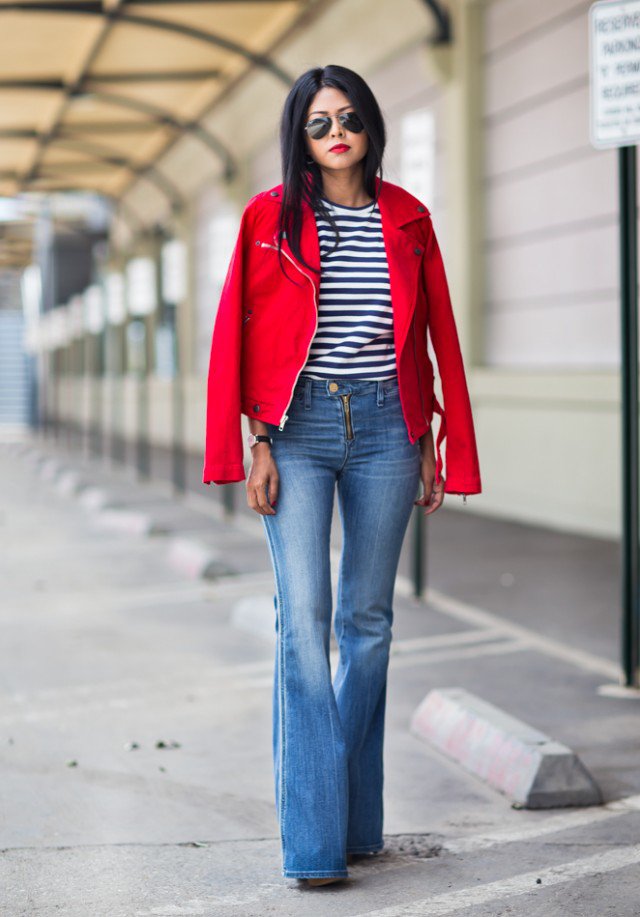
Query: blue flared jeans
328, 736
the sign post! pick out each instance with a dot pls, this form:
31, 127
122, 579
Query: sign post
614, 38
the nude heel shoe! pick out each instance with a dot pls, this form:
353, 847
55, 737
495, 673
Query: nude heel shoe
325, 880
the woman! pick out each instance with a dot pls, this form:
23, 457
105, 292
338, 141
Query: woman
321, 341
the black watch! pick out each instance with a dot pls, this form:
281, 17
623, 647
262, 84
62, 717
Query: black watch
252, 439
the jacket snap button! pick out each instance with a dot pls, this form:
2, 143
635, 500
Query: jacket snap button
274, 194
417, 251
257, 241
256, 407
421, 209
333, 386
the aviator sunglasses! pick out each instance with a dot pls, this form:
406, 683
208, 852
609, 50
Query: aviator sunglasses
320, 127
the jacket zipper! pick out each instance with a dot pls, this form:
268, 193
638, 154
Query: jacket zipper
285, 416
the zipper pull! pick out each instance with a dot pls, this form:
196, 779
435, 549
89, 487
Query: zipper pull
284, 420
464, 498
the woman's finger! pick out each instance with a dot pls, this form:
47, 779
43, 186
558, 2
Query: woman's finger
274, 487
427, 484
436, 499
261, 496
256, 498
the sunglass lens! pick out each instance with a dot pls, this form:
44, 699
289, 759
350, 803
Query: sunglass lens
318, 127
352, 122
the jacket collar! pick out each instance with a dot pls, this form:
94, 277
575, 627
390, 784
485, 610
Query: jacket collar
397, 205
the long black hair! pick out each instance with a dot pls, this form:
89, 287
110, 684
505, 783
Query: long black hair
301, 177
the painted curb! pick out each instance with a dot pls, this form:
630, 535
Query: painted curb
196, 559
94, 498
69, 482
508, 754
129, 521
256, 614
50, 469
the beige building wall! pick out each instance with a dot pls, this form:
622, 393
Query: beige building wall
547, 395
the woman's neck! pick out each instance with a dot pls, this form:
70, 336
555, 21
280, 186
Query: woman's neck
345, 188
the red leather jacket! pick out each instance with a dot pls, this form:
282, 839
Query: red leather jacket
265, 323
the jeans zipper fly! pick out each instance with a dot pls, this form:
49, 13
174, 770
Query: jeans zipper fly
347, 414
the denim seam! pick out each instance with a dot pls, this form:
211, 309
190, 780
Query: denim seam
281, 693
371, 847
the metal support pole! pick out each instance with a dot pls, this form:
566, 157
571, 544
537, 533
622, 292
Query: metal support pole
178, 463
143, 462
629, 418
119, 372
100, 393
419, 539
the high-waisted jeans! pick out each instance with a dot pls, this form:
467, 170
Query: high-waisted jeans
328, 737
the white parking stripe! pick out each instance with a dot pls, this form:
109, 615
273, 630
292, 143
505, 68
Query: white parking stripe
411, 644
477, 617
546, 825
524, 884
495, 648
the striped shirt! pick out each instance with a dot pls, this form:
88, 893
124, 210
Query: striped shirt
354, 337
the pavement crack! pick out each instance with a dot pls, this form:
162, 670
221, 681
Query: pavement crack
140, 844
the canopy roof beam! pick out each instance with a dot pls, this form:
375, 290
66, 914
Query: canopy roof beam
154, 113
86, 84
443, 34
120, 14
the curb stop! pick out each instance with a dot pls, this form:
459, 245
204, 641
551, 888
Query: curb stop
508, 754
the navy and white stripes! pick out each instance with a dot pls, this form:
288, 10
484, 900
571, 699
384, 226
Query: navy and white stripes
354, 337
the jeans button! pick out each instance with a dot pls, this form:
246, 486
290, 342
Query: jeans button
333, 386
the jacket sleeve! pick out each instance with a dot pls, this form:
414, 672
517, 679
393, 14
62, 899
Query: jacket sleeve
456, 422
223, 455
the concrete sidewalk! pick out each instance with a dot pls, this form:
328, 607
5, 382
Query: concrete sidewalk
136, 714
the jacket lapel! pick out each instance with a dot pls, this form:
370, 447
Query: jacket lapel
401, 228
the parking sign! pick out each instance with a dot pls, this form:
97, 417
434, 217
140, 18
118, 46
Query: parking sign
614, 39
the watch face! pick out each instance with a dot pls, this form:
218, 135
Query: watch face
252, 439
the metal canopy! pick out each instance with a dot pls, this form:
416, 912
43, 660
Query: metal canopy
93, 92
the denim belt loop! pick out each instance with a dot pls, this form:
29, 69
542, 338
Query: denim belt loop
307, 393
380, 393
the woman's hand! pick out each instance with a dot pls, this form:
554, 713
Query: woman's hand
433, 495
263, 480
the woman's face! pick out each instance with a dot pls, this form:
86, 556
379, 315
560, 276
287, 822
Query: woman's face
332, 102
